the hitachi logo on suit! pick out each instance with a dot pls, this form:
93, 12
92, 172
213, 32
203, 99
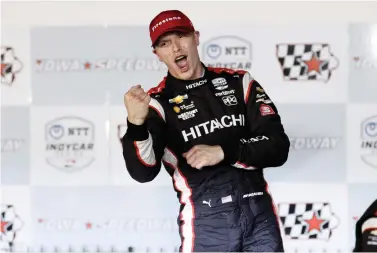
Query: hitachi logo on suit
196, 84
213, 125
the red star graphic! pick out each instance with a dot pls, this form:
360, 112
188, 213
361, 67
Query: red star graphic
87, 65
3, 68
313, 64
3, 224
314, 223
88, 225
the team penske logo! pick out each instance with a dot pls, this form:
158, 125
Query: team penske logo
230, 100
178, 99
213, 125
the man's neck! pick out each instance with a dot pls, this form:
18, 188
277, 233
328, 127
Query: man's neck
199, 72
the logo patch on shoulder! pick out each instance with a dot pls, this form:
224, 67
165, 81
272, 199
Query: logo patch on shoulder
220, 83
266, 110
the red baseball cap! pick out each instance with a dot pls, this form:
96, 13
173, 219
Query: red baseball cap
168, 21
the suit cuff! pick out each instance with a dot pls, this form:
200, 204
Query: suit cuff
137, 132
230, 152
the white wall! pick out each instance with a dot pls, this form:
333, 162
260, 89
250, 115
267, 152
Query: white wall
210, 12
18, 17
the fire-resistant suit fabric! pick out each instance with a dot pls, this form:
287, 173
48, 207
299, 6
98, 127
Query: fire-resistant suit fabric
366, 230
226, 207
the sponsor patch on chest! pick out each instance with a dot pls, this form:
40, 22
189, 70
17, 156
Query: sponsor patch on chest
213, 125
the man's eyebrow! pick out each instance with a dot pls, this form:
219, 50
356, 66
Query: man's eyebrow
161, 41
164, 39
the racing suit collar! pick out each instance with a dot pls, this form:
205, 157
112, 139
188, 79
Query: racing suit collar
174, 85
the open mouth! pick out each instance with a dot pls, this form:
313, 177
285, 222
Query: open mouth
181, 61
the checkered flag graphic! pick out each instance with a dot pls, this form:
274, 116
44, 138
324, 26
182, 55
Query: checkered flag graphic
304, 62
10, 223
307, 220
10, 65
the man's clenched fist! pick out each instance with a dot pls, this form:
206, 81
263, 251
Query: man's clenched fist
137, 101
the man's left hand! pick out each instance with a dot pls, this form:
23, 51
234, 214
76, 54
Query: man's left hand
204, 155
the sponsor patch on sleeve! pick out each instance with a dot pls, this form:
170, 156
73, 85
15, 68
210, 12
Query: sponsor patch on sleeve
266, 110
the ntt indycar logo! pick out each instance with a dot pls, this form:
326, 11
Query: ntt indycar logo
369, 141
228, 51
213, 125
220, 83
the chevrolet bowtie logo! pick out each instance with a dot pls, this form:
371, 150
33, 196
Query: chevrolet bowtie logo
178, 99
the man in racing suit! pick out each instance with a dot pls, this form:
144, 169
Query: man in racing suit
214, 132
366, 230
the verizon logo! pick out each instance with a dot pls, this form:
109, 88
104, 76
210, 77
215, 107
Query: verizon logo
224, 93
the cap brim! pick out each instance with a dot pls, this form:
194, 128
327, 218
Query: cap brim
184, 29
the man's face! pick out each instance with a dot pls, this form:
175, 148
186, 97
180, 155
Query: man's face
179, 51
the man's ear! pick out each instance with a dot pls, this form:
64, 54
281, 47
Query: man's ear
197, 35
155, 52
